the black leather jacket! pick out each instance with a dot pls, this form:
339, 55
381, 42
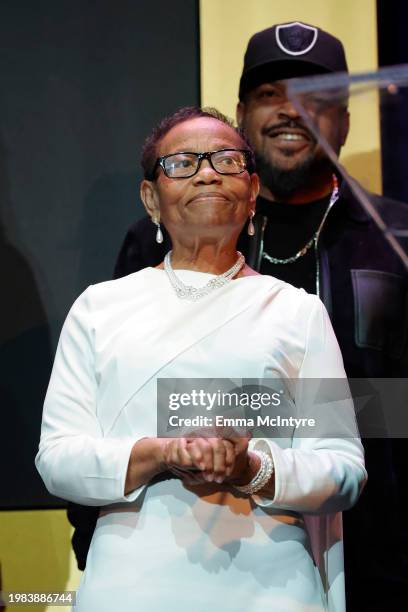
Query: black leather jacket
362, 283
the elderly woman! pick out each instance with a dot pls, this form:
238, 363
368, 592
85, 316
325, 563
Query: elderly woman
210, 523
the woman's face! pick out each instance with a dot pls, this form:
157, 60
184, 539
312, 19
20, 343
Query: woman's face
208, 204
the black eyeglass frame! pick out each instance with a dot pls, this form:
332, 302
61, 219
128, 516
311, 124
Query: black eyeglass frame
249, 162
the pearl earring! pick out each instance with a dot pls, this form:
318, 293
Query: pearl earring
159, 233
251, 227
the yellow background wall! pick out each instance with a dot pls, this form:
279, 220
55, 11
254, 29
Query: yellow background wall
227, 25
35, 552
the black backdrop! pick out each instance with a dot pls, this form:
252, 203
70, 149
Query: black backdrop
392, 24
82, 83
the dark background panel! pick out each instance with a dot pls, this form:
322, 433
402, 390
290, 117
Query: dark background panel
82, 84
392, 23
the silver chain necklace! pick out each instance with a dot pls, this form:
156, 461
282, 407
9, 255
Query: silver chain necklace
314, 239
188, 292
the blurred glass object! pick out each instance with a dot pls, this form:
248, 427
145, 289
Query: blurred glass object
378, 158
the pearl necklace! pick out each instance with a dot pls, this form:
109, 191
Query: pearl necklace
314, 239
188, 292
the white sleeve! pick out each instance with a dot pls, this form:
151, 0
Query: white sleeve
75, 460
318, 474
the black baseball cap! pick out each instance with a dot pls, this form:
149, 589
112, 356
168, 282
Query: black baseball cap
290, 50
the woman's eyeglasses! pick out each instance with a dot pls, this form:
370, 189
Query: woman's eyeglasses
186, 164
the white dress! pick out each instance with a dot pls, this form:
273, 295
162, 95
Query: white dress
167, 546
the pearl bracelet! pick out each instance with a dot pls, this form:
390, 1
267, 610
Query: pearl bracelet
261, 477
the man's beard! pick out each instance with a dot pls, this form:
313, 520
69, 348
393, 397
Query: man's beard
283, 183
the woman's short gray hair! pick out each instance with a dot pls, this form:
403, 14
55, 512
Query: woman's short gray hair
149, 151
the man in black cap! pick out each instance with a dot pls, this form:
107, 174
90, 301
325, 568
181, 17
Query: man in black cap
312, 232
317, 237
292, 166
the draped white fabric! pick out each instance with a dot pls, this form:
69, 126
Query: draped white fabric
168, 546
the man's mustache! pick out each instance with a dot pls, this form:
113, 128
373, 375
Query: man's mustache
272, 130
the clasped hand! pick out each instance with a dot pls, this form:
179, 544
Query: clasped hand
199, 460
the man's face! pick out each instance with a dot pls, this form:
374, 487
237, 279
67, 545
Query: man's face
287, 152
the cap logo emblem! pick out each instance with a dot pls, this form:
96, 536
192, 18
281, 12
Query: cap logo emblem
296, 38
